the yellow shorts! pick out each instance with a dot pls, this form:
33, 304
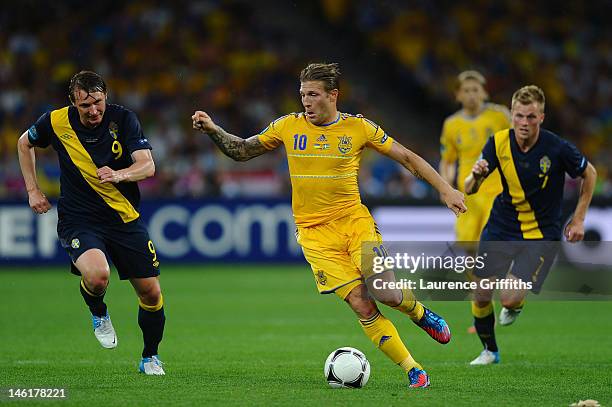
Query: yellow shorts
470, 224
334, 251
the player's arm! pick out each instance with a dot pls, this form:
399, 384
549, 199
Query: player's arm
487, 163
232, 146
480, 171
27, 161
447, 171
574, 231
448, 154
142, 167
421, 169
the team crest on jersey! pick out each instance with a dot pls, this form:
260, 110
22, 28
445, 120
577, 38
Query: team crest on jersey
322, 143
344, 144
321, 277
545, 164
113, 129
384, 138
75, 244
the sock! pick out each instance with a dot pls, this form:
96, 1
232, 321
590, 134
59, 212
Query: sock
95, 302
383, 334
410, 306
484, 322
151, 319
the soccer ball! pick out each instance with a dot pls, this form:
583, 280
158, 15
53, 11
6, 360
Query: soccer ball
347, 367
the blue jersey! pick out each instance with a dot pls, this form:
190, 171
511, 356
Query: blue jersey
530, 205
81, 151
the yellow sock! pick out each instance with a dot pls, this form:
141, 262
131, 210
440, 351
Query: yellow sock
384, 335
482, 312
410, 306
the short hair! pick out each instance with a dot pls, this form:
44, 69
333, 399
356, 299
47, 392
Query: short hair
329, 74
471, 75
529, 94
87, 81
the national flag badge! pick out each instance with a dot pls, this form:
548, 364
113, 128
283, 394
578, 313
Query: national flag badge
545, 164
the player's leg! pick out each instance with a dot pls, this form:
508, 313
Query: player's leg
469, 226
404, 301
95, 272
484, 322
325, 250
383, 334
512, 301
365, 245
531, 266
86, 249
498, 258
135, 258
151, 319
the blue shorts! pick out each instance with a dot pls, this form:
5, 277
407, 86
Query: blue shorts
127, 245
528, 260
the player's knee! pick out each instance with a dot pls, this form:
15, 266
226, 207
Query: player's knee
365, 310
96, 282
362, 306
152, 296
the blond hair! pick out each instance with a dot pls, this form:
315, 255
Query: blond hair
529, 94
471, 75
329, 74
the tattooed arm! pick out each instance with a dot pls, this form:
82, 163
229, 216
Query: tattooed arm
232, 146
421, 169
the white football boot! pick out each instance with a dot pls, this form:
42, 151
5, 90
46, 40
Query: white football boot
151, 366
507, 316
104, 331
486, 357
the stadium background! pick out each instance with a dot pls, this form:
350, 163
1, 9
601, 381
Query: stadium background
240, 61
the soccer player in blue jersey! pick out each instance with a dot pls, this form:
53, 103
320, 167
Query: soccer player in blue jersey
526, 216
102, 154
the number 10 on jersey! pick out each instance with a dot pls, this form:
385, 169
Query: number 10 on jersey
299, 141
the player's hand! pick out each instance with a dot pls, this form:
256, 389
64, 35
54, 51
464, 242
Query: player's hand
454, 200
107, 174
202, 121
480, 169
38, 201
574, 231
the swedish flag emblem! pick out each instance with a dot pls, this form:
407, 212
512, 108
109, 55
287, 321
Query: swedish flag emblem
545, 164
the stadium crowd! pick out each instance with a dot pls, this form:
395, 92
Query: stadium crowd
165, 61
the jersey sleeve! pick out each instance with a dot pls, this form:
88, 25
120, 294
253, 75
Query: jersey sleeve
134, 138
376, 137
448, 149
503, 117
574, 162
40, 133
489, 154
271, 136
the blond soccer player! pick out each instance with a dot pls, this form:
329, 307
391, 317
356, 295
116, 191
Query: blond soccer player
464, 134
324, 148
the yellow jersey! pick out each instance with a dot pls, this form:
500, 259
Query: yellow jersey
463, 138
324, 162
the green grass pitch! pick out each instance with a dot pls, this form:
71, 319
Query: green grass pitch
258, 335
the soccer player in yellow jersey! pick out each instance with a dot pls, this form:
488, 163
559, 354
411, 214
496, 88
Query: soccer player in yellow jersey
464, 134
324, 148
